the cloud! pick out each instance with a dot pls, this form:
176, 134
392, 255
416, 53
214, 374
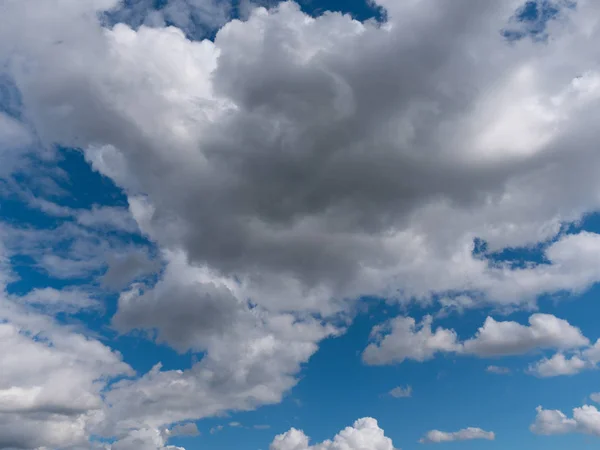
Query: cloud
128, 267
498, 370
51, 380
467, 434
250, 357
401, 392
185, 429
365, 433
585, 420
295, 164
144, 439
197, 126
400, 338
54, 301
106, 217
559, 365
511, 338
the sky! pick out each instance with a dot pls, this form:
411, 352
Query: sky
323, 225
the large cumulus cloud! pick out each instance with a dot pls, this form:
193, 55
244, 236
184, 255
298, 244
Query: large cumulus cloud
296, 163
320, 156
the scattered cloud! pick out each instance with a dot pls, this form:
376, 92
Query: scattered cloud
498, 370
400, 339
585, 420
364, 432
558, 365
401, 392
467, 434
511, 338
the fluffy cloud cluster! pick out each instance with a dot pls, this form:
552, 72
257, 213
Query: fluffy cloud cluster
51, 380
289, 167
364, 434
401, 338
467, 434
585, 420
319, 157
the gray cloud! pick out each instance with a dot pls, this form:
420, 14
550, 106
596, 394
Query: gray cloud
295, 164
320, 158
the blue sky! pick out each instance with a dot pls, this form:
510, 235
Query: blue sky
228, 225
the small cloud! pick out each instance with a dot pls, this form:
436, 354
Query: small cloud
216, 429
559, 365
467, 434
235, 424
261, 427
498, 370
595, 397
401, 392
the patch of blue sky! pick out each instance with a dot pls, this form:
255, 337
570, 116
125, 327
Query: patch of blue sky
531, 19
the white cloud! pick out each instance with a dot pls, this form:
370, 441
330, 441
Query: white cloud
14, 138
401, 392
400, 339
302, 163
586, 420
365, 433
175, 111
498, 370
66, 300
511, 338
595, 397
144, 439
559, 365
106, 217
51, 380
467, 434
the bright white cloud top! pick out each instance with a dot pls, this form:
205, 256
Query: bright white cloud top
282, 172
